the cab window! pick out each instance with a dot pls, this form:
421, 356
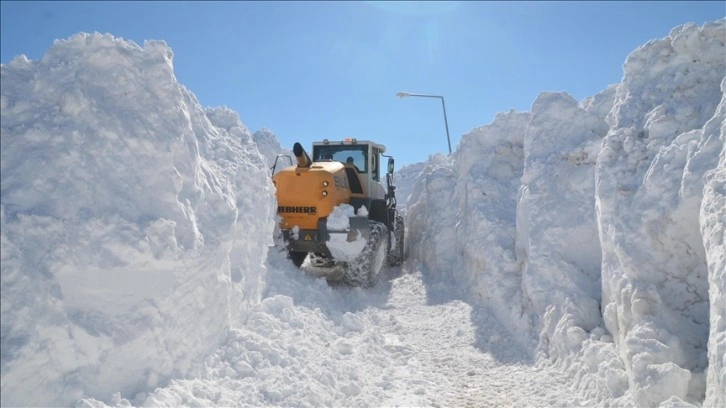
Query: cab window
344, 154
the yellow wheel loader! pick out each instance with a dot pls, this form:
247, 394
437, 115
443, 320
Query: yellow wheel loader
313, 197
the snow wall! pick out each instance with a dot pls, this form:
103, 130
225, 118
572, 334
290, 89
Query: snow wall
270, 148
598, 224
663, 138
124, 222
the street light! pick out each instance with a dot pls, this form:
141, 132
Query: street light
443, 105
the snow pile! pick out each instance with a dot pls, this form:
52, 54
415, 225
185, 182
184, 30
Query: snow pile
556, 219
342, 246
339, 218
557, 239
713, 228
270, 147
605, 192
404, 179
461, 220
125, 211
663, 138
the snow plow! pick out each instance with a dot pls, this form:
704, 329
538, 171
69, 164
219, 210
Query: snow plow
336, 219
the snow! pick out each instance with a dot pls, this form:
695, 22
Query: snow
270, 147
339, 218
341, 246
404, 180
126, 222
572, 255
662, 139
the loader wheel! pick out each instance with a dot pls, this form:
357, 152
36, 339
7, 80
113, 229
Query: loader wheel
363, 271
297, 258
395, 255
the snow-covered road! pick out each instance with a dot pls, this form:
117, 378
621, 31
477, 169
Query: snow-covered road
394, 344
449, 354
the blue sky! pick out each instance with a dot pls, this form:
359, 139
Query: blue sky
314, 70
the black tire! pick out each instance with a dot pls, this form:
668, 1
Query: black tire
297, 258
363, 271
395, 255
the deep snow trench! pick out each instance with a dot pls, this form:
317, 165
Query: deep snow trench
585, 235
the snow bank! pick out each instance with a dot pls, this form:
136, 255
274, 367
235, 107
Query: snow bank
558, 244
521, 239
461, 220
127, 223
713, 228
270, 147
558, 240
618, 242
649, 192
404, 179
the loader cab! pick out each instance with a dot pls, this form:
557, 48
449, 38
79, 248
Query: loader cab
363, 155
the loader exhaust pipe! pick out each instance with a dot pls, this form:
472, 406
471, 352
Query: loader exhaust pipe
303, 160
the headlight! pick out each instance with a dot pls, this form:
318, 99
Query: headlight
325, 193
325, 184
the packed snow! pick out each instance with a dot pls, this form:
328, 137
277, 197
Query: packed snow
341, 247
572, 255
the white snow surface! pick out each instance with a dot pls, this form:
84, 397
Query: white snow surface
341, 248
339, 218
404, 179
270, 148
573, 255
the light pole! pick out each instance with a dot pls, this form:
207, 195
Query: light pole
443, 105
